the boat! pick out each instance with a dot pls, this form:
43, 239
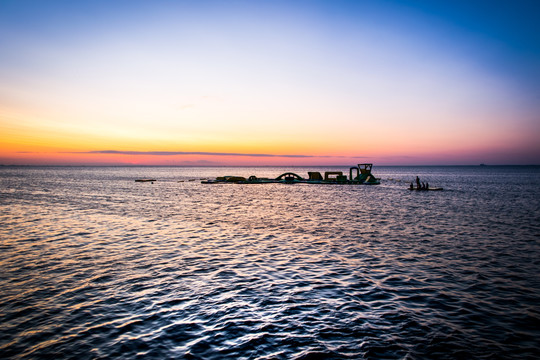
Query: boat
421, 186
358, 175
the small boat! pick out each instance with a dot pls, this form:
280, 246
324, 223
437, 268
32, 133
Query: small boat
421, 186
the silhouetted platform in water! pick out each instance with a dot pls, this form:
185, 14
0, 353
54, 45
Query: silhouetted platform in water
429, 189
145, 180
358, 175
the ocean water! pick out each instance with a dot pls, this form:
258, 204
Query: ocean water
95, 266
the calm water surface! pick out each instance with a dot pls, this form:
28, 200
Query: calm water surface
94, 265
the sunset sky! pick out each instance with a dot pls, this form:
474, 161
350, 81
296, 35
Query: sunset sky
269, 82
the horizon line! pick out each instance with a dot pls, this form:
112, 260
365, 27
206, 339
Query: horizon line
251, 166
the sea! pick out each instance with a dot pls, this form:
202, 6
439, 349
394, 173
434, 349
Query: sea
94, 265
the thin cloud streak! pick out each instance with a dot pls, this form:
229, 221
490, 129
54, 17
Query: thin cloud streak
172, 153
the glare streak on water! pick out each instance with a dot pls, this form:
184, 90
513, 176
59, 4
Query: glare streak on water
94, 265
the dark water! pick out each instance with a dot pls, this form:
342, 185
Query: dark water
95, 266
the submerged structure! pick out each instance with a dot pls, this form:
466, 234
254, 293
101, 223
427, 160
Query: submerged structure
358, 175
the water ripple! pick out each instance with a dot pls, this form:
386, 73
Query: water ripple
97, 266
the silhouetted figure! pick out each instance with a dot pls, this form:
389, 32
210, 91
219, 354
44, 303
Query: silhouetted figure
427, 186
418, 186
411, 187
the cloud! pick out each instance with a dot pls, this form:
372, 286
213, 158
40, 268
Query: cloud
173, 153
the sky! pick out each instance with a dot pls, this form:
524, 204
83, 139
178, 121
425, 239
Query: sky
208, 83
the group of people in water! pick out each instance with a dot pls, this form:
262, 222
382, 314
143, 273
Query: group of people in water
419, 185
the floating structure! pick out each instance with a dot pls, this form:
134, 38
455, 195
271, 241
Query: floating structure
358, 175
145, 180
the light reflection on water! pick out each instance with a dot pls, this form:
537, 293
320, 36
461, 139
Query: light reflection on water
95, 265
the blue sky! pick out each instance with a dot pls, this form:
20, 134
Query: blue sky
416, 81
